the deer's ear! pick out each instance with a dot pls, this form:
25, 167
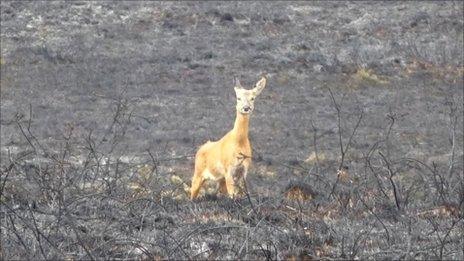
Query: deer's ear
237, 83
259, 86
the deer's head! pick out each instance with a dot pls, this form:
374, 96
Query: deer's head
246, 98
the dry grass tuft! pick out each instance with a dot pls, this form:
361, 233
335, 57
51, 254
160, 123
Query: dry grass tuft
140, 185
443, 211
368, 76
315, 158
299, 191
450, 73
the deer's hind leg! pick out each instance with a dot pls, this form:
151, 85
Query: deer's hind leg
198, 179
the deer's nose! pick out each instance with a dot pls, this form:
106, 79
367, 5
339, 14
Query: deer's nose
247, 109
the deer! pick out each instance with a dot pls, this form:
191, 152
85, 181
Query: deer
228, 160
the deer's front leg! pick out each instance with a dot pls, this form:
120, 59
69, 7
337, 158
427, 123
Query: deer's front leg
222, 188
234, 179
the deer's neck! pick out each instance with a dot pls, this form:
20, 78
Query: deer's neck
241, 127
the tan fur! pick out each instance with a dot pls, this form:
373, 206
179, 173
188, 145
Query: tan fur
228, 159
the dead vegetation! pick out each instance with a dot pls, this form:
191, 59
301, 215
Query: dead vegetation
357, 144
366, 77
57, 205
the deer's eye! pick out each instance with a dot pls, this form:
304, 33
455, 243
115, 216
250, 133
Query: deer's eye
252, 99
239, 99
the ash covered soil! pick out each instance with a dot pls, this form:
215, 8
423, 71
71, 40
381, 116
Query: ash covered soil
103, 105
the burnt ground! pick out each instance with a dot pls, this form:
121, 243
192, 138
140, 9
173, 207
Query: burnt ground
103, 105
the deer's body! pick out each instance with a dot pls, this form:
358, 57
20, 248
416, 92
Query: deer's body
228, 159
